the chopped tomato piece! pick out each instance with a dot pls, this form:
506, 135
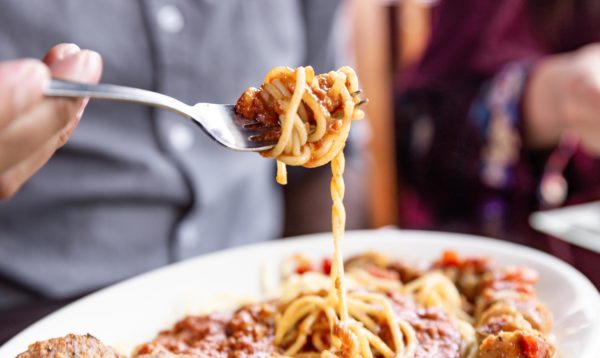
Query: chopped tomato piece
521, 274
510, 286
326, 266
383, 273
302, 269
450, 258
530, 345
479, 264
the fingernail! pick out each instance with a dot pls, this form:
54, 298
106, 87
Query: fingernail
67, 50
32, 76
92, 62
87, 64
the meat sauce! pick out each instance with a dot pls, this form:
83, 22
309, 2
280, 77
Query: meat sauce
437, 335
249, 332
256, 104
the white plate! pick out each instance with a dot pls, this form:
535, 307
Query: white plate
134, 311
576, 224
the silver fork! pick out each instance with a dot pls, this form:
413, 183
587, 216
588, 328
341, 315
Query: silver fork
219, 121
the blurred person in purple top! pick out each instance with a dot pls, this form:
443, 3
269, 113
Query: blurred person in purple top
502, 118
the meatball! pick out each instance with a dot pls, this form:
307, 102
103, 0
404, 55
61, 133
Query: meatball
532, 309
70, 345
517, 344
505, 322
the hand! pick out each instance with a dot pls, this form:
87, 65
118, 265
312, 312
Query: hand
33, 127
563, 96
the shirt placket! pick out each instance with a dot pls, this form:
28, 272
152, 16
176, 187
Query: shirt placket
172, 38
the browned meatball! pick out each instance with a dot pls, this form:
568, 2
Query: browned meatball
503, 322
532, 309
166, 354
70, 345
517, 344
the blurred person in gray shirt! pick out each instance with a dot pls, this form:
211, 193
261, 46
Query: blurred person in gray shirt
134, 188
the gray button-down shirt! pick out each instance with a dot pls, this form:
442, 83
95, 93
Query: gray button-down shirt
137, 188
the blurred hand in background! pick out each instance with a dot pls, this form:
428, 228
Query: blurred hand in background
564, 95
32, 127
500, 118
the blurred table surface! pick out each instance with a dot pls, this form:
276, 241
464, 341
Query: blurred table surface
16, 319
577, 224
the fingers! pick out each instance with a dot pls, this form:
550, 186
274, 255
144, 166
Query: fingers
82, 66
590, 142
585, 86
580, 99
59, 52
33, 127
50, 118
21, 85
582, 107
14, 178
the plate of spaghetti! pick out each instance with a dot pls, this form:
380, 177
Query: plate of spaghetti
227, 304
385, 293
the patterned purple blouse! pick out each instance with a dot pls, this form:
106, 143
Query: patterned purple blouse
460, 131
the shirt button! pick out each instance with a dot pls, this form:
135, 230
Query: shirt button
170, 19
181, 137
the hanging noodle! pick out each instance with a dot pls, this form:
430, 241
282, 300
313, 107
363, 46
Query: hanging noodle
311, 141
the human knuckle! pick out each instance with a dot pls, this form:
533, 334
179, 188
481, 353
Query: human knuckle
63, 137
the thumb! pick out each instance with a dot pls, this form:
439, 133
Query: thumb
81, 66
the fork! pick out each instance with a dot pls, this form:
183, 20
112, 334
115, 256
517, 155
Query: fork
219, 121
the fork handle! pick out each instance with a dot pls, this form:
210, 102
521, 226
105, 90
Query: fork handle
62, 88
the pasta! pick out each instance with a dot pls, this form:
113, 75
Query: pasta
313, 114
